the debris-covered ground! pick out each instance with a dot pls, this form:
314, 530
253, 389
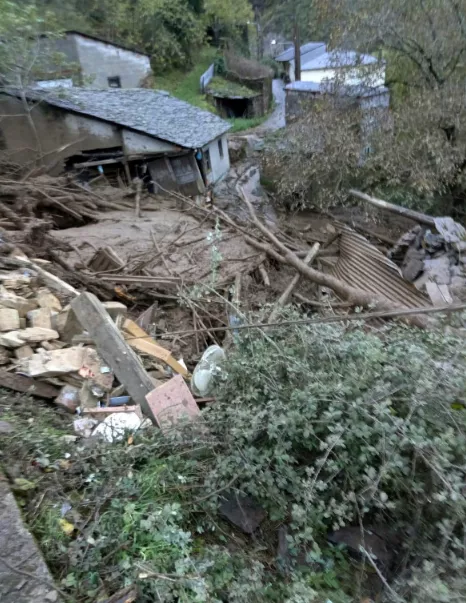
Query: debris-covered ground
163, 449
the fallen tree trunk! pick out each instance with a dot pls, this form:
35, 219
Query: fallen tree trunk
294, 281
346, 292
397, 209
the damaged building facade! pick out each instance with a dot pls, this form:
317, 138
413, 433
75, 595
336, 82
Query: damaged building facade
95, 63
129, 133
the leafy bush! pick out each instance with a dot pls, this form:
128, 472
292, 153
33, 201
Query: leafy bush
328, 427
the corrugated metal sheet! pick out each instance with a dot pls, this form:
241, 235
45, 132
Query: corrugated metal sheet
363, 266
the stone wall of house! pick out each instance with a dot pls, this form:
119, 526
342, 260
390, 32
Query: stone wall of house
219, 159
55, 128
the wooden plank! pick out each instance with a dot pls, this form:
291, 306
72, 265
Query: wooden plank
26, 385
86, 164
113, 348
141, 341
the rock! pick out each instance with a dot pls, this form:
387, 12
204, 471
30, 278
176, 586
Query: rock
68, 398
11, 339
9, 319
115, 309
438, 269
6, 428
4, 356
114, 427
354, 539
243, 512
36, 334
88, 398
15, 302
40, 318
25, 351
413, 263
237, 149
84, 427
56, 362
46, 299
67, 324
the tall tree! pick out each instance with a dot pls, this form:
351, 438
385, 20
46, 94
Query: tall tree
224, 16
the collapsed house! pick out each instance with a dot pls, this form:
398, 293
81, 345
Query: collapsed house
131, 133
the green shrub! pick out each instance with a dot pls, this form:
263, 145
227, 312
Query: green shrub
329, 427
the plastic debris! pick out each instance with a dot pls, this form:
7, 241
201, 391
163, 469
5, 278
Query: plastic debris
208, 367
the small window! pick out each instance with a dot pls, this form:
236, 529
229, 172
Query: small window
114, 82
208, 164
220, 148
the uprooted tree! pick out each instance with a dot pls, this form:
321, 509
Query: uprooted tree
420, 146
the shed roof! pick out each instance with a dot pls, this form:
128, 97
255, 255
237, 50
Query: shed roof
151, 112
105, 41
288, 55
338, 58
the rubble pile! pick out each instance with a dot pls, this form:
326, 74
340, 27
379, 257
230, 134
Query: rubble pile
435, 262
71, 349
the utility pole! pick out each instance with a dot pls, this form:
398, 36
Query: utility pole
297, 49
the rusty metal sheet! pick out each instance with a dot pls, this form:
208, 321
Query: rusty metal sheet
363, 266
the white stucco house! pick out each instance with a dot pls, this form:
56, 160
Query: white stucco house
347, 66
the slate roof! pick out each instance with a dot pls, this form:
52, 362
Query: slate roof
151, 112
288, 55
336, 59
355, 90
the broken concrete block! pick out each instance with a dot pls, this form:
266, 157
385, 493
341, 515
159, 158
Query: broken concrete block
9, 319
16, 302
95, 369
68, 398
46, 299
40, 318
57, 362
53, 345
172, 402
115, 309
37, 334
25, 351
438, 269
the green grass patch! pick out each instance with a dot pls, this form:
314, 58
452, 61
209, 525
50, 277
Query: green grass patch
243, 123
185, 85
223, 87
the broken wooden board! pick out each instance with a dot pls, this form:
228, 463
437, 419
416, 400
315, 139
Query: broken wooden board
104, 260
141, 341
113, 348
26, 385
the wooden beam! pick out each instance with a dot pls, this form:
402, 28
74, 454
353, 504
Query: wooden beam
26, 385
397, 209
141, 341
86, 164
113, 348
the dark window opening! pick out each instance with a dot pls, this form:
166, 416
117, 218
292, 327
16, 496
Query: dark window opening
114, 82
208, 165
220, 148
